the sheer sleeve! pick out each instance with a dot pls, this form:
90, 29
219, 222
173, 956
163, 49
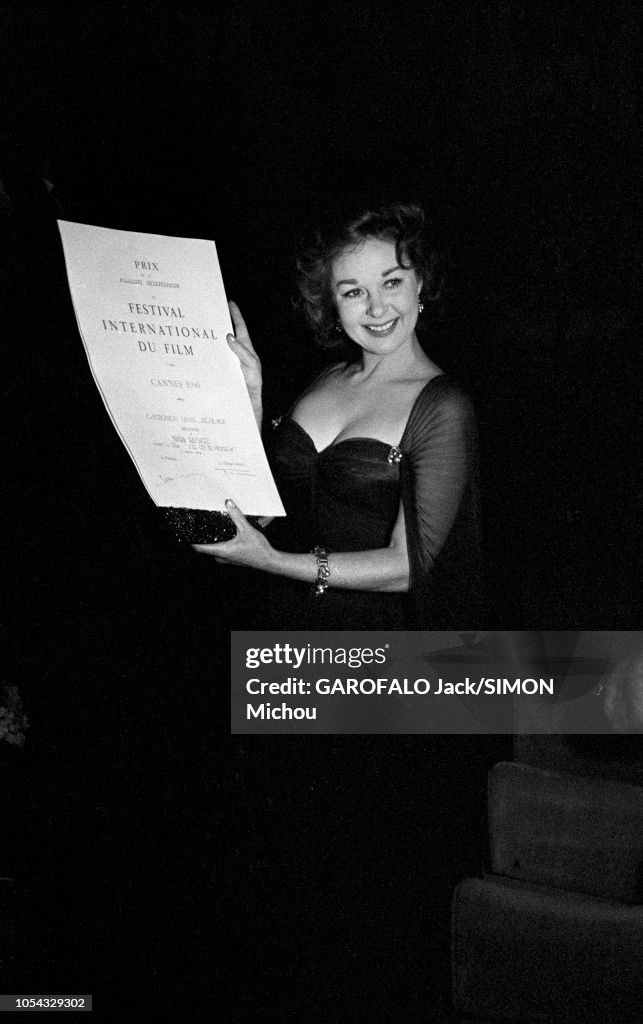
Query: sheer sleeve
441, 508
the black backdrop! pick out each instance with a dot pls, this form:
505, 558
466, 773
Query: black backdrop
513, 124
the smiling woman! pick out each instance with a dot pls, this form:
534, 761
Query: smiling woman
381, 300
376, 462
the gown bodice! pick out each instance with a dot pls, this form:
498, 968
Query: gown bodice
344, 498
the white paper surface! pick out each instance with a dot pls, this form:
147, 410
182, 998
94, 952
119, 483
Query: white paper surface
153, 317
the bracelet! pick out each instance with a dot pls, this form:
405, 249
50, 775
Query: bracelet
323, 571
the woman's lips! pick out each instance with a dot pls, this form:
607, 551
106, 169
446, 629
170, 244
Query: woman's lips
382, 330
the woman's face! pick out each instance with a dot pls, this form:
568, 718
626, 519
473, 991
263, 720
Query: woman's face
376, 298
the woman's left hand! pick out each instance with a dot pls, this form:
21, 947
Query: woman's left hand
249, 547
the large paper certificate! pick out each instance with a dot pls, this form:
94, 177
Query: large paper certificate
153, 317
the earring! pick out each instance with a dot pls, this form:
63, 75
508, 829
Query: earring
420, 307
338, 327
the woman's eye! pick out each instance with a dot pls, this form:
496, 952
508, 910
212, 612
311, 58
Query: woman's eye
352, 294
393, 282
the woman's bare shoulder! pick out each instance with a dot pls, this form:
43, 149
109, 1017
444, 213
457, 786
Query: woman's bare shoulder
330, 375
322, 386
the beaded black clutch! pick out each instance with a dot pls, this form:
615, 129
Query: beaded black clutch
199, 526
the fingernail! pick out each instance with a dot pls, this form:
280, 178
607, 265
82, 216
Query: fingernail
230, 503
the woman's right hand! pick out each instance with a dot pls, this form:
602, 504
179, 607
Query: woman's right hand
250, 363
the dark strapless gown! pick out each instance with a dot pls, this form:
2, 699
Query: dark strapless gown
347, 498
352, 844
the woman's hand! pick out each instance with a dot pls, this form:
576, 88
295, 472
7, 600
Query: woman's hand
249, 547
384, 569
242, 347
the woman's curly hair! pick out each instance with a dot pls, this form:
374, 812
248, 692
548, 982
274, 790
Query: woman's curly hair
401, 223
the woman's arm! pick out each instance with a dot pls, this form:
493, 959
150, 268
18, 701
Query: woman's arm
384, 569
440, 459
440, 497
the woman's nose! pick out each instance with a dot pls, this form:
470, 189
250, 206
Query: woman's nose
375, 306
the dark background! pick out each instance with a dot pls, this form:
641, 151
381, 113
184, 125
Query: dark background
513, 124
